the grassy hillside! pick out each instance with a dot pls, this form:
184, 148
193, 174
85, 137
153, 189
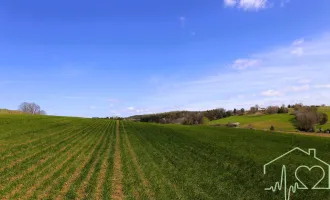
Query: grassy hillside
43, 157
283, 122
6, 111
327, 111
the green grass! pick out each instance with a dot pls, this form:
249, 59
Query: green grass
327, 111
281, 122
6, 111
200, 162
43, 157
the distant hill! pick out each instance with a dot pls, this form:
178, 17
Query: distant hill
281, 122
6, 111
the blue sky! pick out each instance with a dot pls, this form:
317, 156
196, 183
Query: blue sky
111, 57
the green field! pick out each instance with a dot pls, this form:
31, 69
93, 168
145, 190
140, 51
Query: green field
281, 122
45, 157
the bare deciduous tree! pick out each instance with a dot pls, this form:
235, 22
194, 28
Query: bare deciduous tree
31, 108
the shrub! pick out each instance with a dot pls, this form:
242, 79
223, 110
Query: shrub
306, 121
205, 121
323, 118
307, 117
272, 128
283, 109
272, 109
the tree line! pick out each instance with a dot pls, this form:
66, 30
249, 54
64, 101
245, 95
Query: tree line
306, 117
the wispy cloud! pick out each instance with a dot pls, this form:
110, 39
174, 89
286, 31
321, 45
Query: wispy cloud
298, 42
247, 5
278, 76
271, 93
230, 3
133, 110
252, 4
255, 5
130, 108
300, 88
302, 81
241, 64
325, 86
298, 51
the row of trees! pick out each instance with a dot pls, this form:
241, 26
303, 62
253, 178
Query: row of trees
189, 117
222, 113
31, 108
306, 116
269, 109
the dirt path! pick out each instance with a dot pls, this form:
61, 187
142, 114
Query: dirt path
117, 186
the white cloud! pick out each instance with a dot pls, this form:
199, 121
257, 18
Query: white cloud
302, 81
271, 93
241, 64
326, 86
230, 3
130, 108
136, 110
298, 42
298, 51
252, 4
300, 88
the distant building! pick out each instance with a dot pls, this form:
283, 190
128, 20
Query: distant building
236, 124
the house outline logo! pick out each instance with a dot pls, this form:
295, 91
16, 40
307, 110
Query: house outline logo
299, 185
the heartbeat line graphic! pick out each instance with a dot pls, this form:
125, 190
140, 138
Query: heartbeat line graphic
283, 184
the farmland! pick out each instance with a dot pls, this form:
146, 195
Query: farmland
44, 157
